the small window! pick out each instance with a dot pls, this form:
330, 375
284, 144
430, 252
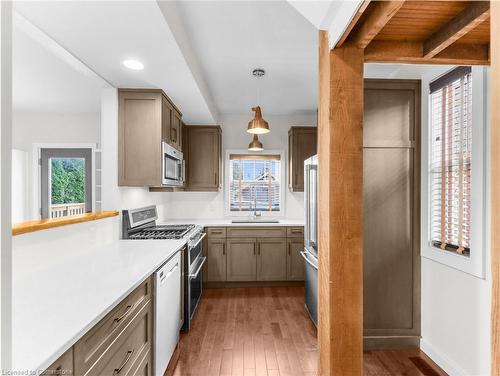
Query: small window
255, 183
451, 141
66, 182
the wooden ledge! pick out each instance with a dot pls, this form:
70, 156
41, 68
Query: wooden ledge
43, 224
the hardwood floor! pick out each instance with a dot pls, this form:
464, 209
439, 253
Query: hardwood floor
266, 332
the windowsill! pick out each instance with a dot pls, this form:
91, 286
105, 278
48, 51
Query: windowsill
43, 224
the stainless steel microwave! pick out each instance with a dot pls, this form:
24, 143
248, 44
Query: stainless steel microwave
173, 167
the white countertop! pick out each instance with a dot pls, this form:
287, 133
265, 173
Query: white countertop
213, 222
56, 302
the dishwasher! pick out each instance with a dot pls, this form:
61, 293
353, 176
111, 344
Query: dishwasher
167, 312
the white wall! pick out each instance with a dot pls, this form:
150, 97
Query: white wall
5, 183
47, 127
456, 304
180, 205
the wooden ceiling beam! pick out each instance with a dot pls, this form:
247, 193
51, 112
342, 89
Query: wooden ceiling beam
353, 22
467, 20
380, 14
412, 52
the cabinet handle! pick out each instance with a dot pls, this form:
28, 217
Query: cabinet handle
118, 319
254, 246
289, 249
129, 355
58, 371
215, 178
223, 249
258, 250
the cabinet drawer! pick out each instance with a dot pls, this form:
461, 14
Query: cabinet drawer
216, 232
295, 232
103, 335
125, 354
62, 366
256, 232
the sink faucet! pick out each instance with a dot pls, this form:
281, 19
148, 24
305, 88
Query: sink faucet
256, 214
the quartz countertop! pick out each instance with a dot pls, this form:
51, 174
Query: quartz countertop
224, 222
56, 300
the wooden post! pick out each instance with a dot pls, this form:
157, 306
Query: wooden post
340, 202
495, 184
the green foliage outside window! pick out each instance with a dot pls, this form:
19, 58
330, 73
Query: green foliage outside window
67, 180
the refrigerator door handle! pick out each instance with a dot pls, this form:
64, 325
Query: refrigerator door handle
306, 258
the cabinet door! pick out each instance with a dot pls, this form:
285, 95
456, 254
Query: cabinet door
167, 112
271, 260
241, 260
303, 144
216, 260
62, 366
204, 158
139, 139
295, 262
175, 131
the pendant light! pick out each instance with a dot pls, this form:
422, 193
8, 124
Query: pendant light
258, 125
255, 145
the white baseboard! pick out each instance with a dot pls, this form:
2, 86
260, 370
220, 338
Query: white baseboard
450, 367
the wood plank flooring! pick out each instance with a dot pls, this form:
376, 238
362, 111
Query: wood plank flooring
266, 332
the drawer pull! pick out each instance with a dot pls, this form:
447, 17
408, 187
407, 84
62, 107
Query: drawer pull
118, 319
215, 232
296, 231
127, 358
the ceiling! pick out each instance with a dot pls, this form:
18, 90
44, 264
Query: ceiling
103, 34
200, 52
232, 38
43, 82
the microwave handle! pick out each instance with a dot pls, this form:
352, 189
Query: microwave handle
183, 163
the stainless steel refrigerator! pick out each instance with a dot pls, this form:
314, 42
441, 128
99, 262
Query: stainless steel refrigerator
310, 252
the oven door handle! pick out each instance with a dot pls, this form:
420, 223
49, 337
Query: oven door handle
199, 240
195, 274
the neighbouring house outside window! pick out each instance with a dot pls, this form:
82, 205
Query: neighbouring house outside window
255, 183
450, 161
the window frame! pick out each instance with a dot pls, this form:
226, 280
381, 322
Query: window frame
474, 264
36, 173
227, 190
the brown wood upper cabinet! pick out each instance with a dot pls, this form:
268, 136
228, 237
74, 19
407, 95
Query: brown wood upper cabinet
302, 143
146, 117
203, 155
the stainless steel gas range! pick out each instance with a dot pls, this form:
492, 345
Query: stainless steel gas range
140, 224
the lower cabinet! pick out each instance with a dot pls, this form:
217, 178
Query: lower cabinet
241, 260
268, 254
216, 260
119, 344
62, 366
295, 261
271, 259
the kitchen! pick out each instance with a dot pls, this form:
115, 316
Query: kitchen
193, 246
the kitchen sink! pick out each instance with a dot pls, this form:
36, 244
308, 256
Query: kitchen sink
255, 221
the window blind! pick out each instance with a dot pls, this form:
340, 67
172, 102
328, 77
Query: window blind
451, 140
255, 182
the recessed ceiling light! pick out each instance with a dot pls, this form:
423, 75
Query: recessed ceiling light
133, 64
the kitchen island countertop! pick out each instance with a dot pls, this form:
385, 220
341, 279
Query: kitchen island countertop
58, 298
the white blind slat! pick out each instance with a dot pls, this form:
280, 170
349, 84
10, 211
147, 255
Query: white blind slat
450, 165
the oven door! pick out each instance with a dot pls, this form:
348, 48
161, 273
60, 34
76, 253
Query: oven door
194, 289
173, 166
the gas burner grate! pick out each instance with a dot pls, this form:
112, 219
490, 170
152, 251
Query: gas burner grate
163, 232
